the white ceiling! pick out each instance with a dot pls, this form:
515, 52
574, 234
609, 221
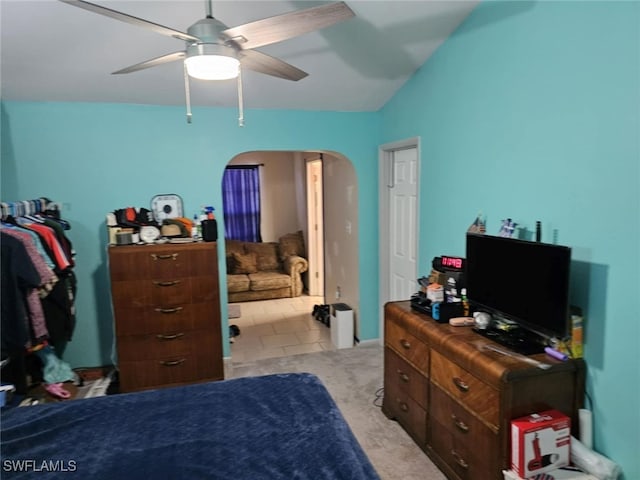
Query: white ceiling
52, 51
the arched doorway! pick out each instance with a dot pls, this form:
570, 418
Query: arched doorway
282, 327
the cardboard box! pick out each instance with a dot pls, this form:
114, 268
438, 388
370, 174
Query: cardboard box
437, 277
540, 442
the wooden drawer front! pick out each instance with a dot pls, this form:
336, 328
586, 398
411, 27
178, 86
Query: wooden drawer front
204, 289
144, 374
169, 264
462, 425
406, 379
148, 262
469, 461
412, 417
408, 346
164, 346
204, 262
195, 316
140, 293
474, 394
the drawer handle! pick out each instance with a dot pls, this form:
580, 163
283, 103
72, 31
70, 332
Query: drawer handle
463, 427
403, 376
169, 337
166, 284
405, 344
168, 310
403, 406
172, 363
171, 256
459, 460
462, 386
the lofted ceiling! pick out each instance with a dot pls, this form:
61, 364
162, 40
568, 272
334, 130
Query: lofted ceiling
52, 51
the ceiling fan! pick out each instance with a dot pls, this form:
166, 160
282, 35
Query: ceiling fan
214, 51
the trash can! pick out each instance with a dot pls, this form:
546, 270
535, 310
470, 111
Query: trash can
341, 325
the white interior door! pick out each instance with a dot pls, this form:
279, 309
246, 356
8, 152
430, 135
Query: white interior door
403, 234
315, 228
398, 193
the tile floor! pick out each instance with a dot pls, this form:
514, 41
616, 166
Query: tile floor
278, 328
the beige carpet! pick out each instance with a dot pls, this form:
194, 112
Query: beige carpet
353, 376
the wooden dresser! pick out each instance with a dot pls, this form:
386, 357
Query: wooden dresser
457, 400
166, 303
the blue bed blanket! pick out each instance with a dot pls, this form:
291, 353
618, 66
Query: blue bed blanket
271, 427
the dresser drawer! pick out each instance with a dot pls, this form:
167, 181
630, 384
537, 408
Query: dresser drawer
149, 319
164, 345
469, 461
475, 395
461, 424
407, 346
149, 262
405, 378
205, 289
140, 293
193, 367
399, 405
199, 260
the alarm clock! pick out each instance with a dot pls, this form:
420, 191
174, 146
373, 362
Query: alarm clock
448, 263
149, 233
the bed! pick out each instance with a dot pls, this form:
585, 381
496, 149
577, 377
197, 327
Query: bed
269, 427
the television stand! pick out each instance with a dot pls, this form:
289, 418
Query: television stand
519, 339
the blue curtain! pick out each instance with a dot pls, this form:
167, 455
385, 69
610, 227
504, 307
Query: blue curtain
241, 203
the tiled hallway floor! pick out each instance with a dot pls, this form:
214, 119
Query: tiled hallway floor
278, 328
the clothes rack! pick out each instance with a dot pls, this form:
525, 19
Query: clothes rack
39, 285
28, 207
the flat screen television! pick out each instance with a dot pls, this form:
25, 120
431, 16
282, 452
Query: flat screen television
525, 282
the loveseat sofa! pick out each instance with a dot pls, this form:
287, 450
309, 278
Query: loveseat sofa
262, 271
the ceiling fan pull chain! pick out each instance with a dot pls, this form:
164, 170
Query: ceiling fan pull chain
240, 99
187, 92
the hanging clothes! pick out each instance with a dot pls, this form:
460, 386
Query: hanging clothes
19, 274
50, 240
38, 288
59, 303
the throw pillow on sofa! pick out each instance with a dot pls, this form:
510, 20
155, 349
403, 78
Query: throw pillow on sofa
267, 255
233, 246
244, 263
292, 244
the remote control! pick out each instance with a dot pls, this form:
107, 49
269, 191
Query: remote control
462, 321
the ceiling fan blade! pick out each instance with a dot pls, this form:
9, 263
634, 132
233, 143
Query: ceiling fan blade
171, 57
263, 63
130, 19
282, 27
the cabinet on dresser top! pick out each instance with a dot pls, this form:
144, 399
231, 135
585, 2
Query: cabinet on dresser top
166, 304
457, 400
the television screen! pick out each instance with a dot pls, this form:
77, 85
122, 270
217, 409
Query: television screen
526, 282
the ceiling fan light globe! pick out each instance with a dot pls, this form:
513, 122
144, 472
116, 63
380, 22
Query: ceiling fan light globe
211, 61
212, 67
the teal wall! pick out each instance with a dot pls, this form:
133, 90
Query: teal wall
95, 158
531, 111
